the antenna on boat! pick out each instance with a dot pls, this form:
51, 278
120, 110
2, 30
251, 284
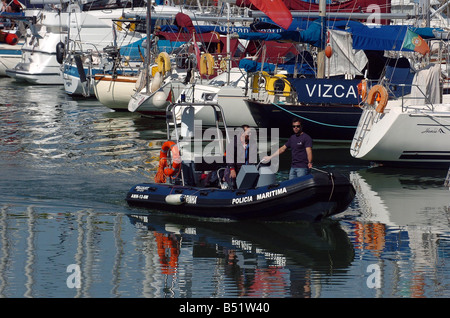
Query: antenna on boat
228, 42
321, 53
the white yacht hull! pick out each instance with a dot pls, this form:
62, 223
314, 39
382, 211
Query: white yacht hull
10, 55
416, 136
154, 104
91, 30
115, 92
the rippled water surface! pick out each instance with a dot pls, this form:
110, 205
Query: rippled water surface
66, 166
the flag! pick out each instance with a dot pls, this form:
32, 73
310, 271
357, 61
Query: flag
275, 10
414, 42
170, 97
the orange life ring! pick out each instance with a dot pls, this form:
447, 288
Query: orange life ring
164, 169
362, 90
176, 160
380, 94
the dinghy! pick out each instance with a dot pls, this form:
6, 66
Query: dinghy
257, 194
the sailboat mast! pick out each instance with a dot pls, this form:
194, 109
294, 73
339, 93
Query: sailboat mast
228, 43
321, 53
149, 43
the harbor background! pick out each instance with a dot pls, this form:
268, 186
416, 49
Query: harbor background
66, 166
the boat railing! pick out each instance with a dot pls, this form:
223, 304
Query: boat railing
175, 125
407, 100
80, 44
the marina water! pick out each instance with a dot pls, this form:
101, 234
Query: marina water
66, 230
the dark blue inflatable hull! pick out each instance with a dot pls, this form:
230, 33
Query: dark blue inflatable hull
309, 198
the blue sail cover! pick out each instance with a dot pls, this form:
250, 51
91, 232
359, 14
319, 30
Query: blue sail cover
253, 66
302, 65
380, 38
312, 35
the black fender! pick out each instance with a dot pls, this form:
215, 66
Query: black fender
60, 51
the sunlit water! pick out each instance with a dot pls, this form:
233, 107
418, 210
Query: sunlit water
66, 166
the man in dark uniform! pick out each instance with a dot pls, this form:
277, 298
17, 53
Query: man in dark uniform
300, 144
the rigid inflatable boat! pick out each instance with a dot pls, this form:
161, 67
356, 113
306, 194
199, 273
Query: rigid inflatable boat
308, 198
257, 195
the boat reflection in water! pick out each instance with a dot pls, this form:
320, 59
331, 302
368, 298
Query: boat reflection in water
417, 198
252, 258
403, 226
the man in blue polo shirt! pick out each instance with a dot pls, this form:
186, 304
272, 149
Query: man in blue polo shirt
300, 144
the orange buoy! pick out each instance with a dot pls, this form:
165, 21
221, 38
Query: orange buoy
362, 90
328, 51
8, 38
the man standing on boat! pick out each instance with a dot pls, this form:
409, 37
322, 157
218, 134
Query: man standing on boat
300, 144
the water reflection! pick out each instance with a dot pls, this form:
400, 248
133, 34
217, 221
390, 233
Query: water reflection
163, 257
403, 198
249, 259
402, 223
67, 165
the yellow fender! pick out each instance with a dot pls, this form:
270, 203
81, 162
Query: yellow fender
270, 85
120, 28
256, 79
163, 61
380, 94
223, 65
206, 64
154, 69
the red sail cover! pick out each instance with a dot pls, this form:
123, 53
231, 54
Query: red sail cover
275, 10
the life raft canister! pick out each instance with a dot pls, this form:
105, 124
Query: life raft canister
380, 94
207, 64
175, 154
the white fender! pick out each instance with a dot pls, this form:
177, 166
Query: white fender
175, 199
159, 99
187, 122
156, 82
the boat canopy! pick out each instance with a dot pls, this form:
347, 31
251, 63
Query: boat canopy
381, 37
302, 64
312, 35
364, 37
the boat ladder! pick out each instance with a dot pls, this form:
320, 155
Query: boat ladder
365, 124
